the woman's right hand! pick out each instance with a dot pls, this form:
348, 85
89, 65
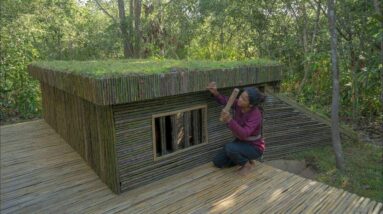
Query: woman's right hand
212, 87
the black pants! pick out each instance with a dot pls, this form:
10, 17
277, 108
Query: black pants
236, 153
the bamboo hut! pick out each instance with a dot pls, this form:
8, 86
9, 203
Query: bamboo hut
136, 121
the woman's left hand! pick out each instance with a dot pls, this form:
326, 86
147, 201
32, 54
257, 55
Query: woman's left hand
225, 116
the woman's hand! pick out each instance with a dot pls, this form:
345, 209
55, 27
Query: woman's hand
212, 87
225, 116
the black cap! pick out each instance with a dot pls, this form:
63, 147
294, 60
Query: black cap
255, 96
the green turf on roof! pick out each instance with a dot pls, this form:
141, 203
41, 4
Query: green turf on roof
103, 68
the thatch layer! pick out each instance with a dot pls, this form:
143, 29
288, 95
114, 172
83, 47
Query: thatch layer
139, 87
118, 67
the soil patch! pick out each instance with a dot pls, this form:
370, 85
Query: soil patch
17, 119
299, 167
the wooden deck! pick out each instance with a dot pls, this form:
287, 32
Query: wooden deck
40, 173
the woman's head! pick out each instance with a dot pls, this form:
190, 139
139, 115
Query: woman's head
251, 97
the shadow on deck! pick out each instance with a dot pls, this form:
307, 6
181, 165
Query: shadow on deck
40, 173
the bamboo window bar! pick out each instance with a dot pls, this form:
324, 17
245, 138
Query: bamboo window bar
177, 131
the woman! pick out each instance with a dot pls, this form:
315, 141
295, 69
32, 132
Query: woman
246, 125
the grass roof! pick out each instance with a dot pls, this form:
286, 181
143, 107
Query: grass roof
102, 68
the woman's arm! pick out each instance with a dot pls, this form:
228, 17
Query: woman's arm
221, 99
248, 128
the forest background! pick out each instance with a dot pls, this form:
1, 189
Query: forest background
293, 32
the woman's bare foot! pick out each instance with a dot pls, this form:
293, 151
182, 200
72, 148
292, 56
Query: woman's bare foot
245, 169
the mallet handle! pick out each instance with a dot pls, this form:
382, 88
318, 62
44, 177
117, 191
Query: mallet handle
231, 100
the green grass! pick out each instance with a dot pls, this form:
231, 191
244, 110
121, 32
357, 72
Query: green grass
103, 68
363, 174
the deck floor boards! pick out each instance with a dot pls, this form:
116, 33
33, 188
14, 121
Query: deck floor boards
40, 173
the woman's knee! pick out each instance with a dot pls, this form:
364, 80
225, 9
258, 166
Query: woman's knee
231, 147
220, 159
218, 163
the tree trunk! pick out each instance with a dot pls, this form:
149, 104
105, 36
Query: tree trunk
137, 25
317, 19
354, 85
124, 28
105, 11
305, 49
131, 25
351, 33
379, 12
336, 143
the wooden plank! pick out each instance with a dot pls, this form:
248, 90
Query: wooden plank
163, 136
343, 203
25, 195
196, 126
294, 194
17, 170
15, 148
39, 200
370, 206
154, 203
202, 199
64, 182
265, 195
187, 129
79, 202
320, 200
195, 192
153, 190
306, 202
363, 206
177, 131
304, 199
224, 200
54, 150
204, 118
335, 203
378, 208
324, 206
354, 204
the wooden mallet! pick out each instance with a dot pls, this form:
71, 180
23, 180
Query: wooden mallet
230, 102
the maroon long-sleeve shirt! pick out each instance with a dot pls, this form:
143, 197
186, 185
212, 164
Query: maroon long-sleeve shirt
244, 125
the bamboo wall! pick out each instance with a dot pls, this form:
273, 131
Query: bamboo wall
133, 124
286, 131
116, 141
128, 88
88, 128
109, 121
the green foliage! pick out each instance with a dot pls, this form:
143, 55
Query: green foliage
19, 93
363, 172
201, 30
46, 29
358, 37
101, 68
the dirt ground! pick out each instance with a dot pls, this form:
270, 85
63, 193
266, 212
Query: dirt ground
298, 167
16, 119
